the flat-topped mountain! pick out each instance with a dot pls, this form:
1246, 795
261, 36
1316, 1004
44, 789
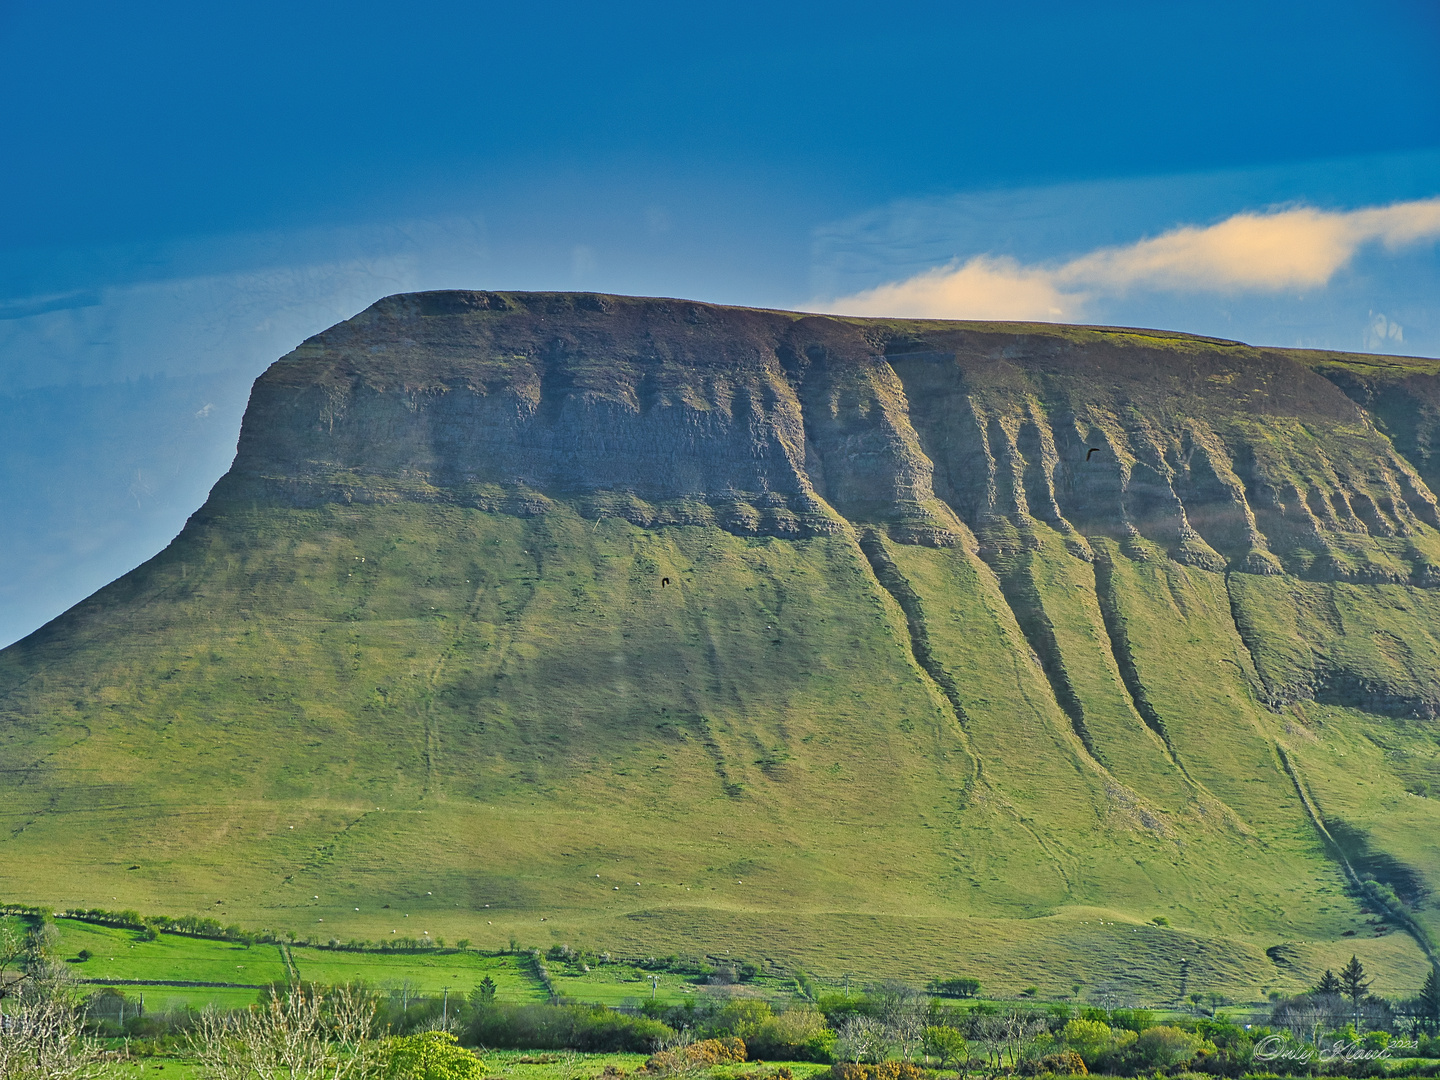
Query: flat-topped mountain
893, 646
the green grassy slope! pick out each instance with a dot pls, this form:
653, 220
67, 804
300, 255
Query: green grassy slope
345, 737
963, 697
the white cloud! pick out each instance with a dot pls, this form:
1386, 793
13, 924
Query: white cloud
1299, 248
982, 288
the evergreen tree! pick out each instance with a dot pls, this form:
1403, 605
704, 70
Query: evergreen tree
1429, 1002
483, 996
1328, 984
1354, 985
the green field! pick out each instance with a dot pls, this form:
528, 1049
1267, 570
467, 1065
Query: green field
514, 1065
523, 1065
620, 983
119, 954
957, 700
423, 973
123, 959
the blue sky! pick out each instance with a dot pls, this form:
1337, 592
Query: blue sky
189, 190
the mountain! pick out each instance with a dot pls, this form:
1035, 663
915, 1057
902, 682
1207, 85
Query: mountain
1051, 655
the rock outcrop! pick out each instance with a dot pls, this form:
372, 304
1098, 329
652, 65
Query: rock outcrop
1223, 455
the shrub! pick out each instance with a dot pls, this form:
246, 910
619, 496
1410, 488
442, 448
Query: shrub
885, 1070
1164, 1047
1089, 1038
797, 1034
1065, 1063
742, 1017
430, 1055
837, 1008
946, 1043
565, 1027
1136, 1020
696, 1055
1098, 1044
716, 1051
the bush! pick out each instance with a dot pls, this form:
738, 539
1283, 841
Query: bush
696, 1055
797, 1034
837, 1008
1100, 1046
565, 1027
1088, 1038
885, 1070
946, 1043
742, 1017
1065, 1063
430, 1055
1164, 1047
716, 1051
1136, 1020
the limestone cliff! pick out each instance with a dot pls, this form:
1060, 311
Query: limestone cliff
780, 423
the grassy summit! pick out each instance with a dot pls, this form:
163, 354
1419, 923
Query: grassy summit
860, 645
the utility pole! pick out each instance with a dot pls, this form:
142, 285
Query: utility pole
654, 986
445, 1011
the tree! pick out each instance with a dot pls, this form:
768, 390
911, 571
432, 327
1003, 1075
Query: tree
1429, 1002
304, 1035
862, 1038
947, 1044
1353, 984
41, 1040
1328, 983
1021, 1026
1088, 1038
1165, 1047
13, 969
963, 987
483, 996
903, 1011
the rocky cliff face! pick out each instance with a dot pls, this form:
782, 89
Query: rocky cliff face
768, 422
1211, 453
